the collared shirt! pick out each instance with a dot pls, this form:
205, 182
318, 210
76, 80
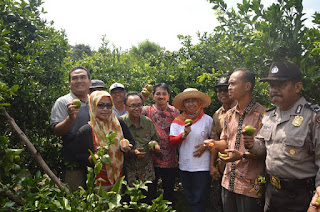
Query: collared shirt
142, 168
241, 176
60, 112
162, 119
291, 140
116, 112
218, 121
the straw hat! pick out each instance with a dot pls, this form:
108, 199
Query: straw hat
189, 93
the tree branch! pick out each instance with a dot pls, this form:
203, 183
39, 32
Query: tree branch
34, 152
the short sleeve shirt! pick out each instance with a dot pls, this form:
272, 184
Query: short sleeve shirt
60, 112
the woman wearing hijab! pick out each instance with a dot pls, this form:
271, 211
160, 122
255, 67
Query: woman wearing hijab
194, 159
94, 134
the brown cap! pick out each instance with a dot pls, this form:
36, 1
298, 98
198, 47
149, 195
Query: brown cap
283, 70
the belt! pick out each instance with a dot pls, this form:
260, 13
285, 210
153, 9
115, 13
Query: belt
285, 183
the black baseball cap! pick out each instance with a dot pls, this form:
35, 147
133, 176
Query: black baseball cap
283, 70
222, 81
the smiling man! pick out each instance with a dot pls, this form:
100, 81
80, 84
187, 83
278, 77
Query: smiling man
118, 92
65, 118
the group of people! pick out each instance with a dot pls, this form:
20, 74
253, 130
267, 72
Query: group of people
283, 149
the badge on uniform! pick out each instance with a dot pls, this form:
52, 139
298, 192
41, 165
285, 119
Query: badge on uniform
292, 151
297, 121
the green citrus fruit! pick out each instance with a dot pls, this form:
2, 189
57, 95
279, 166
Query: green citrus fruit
223, 155
77, 103
318, 200
188, 121
149, 87
106, 159
151, 145
146, 93
249, 130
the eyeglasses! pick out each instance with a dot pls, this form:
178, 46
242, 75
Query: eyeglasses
101, 106
135, 106
222, 90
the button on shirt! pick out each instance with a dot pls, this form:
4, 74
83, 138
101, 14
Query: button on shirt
246, 171
141, 168
292, 151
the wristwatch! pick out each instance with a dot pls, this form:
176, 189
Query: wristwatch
244, 155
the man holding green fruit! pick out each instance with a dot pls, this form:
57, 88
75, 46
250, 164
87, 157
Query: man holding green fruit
240, 188
70, 112
289, 139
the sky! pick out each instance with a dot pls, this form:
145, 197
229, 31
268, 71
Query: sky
126, 23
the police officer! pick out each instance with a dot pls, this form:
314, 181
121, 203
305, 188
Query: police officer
289, 138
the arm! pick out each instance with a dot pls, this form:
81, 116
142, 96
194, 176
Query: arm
64, 127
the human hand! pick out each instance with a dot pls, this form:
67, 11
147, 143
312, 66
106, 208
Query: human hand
248, 139
234, 155
139, 152
187, 130
214, 173
209, 143
314, 204
72, 110
90, 158
154, 146
200, 148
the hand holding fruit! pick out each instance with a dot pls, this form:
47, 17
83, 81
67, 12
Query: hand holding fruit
125, 145
154, 146
231, 155
187, 127
248, 136
146, 91
73, 108
315, 202
209, 143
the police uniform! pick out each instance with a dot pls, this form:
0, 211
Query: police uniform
290, 139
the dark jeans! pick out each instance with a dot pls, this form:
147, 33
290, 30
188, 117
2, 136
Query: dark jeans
295, 199
233, 202
196, 187
168, 179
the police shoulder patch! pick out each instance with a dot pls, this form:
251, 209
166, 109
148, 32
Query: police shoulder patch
313, 107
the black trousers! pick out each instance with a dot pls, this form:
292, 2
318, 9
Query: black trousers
293, 199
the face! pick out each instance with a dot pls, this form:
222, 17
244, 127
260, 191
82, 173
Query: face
79, 82
134, 106
191, 105
237, 87
284, 93
104, 109
223, 95
161, 96
118, 95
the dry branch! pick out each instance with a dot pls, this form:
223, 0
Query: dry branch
34, 152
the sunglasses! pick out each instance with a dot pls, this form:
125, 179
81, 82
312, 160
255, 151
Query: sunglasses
219, 90
101, 106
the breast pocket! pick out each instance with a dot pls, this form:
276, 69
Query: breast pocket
295, 148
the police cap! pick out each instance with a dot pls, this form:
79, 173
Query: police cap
283, 70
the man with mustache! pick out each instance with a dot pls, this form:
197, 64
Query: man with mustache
289, 138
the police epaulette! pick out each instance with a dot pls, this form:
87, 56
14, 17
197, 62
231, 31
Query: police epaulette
315, 108
271, 109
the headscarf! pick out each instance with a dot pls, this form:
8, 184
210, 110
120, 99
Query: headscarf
100, 130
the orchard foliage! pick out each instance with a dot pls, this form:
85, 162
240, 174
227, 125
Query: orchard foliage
35, 59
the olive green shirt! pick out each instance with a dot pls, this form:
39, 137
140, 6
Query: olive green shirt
141, 168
